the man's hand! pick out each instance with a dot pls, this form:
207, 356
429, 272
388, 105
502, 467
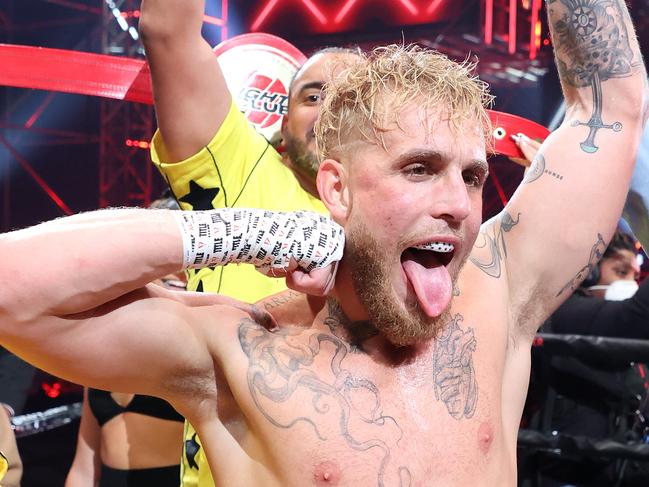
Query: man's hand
529, 147
318, 282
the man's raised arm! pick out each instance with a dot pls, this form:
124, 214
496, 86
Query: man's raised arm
190, 92
560, 219
75, 302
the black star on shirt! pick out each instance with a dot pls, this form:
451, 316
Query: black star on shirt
191, 450
200, 198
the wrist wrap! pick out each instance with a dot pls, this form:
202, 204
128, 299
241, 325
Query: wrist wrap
265, 239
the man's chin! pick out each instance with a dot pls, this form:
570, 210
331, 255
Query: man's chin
414, 328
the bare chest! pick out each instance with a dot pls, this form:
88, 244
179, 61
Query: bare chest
325, 414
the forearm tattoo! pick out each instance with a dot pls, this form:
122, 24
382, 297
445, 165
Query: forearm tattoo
493, 237
596, 254
454, 375
592, 45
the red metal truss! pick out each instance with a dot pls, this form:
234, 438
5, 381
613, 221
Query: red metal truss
516, 22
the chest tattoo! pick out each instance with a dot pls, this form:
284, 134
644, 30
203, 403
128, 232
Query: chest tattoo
280, 372
454, 376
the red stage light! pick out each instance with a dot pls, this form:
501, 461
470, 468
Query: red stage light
489, 21
410, 7
433, 6
315, 11
344, 11
52, 391
331, 14
512, 27
263, 14
138, 144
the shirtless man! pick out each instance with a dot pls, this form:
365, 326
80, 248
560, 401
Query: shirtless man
416, 372
213, 158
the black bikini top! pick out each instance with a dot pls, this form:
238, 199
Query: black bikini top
104, 407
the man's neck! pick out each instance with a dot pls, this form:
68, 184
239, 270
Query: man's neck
356, 333
363, 337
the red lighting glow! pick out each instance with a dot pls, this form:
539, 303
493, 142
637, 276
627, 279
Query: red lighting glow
536, 28
138, 144
342, 13
512, 27
433, 6
410, 7
132, 14
208, 19
315, 11
263, 14
489, 21
52, 391
337, 15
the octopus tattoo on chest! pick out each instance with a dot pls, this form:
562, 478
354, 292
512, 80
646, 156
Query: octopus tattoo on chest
281, 373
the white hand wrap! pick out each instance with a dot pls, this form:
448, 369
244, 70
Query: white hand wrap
265, 239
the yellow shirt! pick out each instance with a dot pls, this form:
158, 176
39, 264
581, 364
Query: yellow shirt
238, 168
4, 465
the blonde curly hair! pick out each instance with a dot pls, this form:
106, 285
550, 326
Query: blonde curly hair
367, 96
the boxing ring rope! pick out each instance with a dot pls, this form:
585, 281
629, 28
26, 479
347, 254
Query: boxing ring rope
605, 353
38, 422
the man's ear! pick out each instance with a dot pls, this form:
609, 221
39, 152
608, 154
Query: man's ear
282, 129
332, 183
282, 133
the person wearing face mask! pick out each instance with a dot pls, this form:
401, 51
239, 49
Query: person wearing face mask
588, 401
621, 309
609, 302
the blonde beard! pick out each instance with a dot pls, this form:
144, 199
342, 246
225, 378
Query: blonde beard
399, 323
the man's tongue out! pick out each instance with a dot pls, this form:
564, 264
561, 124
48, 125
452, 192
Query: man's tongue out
429, 279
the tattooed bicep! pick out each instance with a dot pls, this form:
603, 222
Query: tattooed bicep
492, 246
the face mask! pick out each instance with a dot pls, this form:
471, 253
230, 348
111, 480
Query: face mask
620, 290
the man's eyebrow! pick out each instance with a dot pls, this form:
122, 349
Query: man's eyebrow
312, 85
436, 156
415, 155
481, 164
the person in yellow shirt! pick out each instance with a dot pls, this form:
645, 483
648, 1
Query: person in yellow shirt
4, 466
11, 466
212, 157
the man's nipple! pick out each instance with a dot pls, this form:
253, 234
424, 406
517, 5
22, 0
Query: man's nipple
326, 473
485, 437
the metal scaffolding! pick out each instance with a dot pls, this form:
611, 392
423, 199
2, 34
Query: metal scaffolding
126, 175
22, 131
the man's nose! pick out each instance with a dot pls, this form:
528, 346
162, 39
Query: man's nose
451, 201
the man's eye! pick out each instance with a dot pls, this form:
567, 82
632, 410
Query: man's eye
472, 178
415, 170
313, 98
